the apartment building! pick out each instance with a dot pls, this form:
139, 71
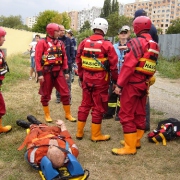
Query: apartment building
30, 21
88, 15
74, 19
161, 12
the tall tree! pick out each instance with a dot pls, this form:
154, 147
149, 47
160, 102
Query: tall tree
13, 22
116, 22
106, 10
115, 7
50, 16
174, 28
63, 19
85, 26
43, 19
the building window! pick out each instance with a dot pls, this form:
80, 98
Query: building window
166, 25
161, 25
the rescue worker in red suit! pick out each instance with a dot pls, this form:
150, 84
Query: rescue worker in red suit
133, 83
3, 71
50, 140
52, 69
96, 60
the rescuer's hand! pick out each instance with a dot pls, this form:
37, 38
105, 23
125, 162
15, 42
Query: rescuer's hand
41, 79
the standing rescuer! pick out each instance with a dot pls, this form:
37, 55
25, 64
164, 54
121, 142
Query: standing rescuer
3, 71
52, 69
96, 59
133, 83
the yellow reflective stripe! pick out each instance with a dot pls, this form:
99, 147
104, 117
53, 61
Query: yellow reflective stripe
155, 140
112, 104
163, 139
90, 63
91, 59
145, 59
118, 103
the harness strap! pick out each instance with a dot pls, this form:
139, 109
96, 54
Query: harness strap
155, 140
163, 139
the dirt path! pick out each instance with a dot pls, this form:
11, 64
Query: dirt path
165, 96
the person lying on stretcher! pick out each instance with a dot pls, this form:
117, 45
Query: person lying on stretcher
51, 141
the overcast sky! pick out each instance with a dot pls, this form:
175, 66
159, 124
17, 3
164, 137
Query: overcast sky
29, 8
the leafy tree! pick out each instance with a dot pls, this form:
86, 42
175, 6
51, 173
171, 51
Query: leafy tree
174, 28
115, 6
13, 22
83, 35
62, 19
116, 22
85, 26
159, 31
106, 10
43, 19
50, 16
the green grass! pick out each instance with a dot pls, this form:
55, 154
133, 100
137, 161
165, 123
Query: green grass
169, 68
21, 97
18, 65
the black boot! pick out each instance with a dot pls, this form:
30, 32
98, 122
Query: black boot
33, 120
23, 124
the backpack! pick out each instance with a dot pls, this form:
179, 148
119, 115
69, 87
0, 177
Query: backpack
166, 130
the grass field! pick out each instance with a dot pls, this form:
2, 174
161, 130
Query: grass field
151, 162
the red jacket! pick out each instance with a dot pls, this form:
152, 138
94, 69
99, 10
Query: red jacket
106, 48
40, 135
1, 66
128, 73
42, 47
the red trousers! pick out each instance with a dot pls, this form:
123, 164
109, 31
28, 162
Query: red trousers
94, 97
133, 102
54, 79
2, 106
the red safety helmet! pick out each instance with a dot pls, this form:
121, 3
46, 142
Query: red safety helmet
50, 28
2, 32
141, 23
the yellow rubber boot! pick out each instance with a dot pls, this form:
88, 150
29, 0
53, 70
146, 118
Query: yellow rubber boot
140, 134
68, 113
129, 147
4, 129
47, 114
80, 129
96, 133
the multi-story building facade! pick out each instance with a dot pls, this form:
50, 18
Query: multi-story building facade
161, 12
74, 19
88, 15
30, 21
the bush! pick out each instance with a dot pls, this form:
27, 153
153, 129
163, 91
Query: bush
169, 68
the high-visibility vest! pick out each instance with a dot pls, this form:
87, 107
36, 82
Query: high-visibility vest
92, 57
147, 63
53, 55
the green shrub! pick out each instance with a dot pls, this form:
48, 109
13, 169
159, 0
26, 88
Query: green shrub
169, 68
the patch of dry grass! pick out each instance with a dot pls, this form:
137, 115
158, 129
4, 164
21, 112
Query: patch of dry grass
150, 163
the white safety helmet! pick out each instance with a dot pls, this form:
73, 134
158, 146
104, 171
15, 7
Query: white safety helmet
100, 23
